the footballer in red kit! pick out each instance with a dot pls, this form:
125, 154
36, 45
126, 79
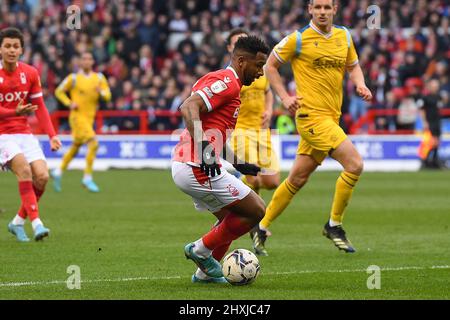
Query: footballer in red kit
219, 91
210, 114
20, 152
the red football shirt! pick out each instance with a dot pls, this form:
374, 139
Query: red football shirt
21, 84
220, 90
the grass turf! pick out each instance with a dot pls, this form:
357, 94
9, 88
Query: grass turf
128, 241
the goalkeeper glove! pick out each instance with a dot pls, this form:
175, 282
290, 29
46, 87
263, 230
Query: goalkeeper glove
209, 163
247, 168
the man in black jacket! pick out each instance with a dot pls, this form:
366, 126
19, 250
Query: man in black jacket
429, 106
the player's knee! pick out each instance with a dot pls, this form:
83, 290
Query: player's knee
93, 144
24, 173
355, 166
299, 180
270, 185
41, 179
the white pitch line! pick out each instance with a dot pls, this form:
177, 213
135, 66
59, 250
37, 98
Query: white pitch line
40, 283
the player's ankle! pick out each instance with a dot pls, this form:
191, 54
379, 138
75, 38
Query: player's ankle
18, 220
200, 249
35, 223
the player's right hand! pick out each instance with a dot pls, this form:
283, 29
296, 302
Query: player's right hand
209, 163
292, 103
25, 109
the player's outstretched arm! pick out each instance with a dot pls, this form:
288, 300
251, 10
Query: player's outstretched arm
357, 77
292, 103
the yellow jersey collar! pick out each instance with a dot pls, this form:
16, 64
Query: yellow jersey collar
316, 29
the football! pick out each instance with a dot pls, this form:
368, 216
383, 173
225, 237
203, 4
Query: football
240, 267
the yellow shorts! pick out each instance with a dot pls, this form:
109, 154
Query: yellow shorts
255, 146
82, 129
320, 135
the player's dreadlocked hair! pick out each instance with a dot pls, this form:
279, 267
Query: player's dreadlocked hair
12, 33
252, 45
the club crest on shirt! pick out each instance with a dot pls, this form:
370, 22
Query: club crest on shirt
1, 80
23, 79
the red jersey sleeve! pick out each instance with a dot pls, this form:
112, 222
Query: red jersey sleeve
36, 88
216, 90
42, 114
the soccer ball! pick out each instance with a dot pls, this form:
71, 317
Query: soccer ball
240, 267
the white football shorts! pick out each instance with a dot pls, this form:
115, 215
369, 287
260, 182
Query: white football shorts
207, 193
13, 144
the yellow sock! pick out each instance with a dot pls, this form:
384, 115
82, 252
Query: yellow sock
69, 156
90, 156
253, 187
344, 189
280, 200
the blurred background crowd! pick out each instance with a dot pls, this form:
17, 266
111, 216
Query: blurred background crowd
152, 51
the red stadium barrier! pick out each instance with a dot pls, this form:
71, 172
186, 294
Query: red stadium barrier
368, 121
365, 124
102, 115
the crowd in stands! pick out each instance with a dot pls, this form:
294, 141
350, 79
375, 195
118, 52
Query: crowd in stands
152, 51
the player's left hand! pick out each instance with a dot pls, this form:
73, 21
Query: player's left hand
55, 143
364, 92
247, 168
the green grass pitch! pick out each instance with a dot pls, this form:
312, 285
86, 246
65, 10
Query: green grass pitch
128, 241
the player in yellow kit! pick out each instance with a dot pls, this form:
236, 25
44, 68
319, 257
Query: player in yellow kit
320, 54
85, 88
251, 140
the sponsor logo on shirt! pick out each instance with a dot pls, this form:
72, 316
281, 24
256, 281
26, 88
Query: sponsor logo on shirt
326, 62
13, 96
218, 86
227, 79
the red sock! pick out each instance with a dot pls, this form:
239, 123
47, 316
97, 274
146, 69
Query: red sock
29, 201
22, 213
220, 251
228, 230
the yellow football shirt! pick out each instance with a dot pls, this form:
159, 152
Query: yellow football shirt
319, 62
83, 91
252, 107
